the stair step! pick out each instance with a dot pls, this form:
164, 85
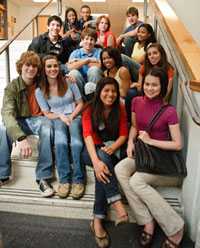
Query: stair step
22, 195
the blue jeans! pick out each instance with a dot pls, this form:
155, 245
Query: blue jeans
129, 43
64, 69
33, 125
94, 74
104, 193
132, 92
132, 66
61, 141
76, 144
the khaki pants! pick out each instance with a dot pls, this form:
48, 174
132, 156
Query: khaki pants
146, 203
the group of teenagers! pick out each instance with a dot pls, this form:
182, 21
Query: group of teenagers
88, 110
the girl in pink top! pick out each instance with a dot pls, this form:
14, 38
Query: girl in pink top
148, 205
105, 37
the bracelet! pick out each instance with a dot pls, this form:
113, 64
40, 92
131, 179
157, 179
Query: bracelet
21, 138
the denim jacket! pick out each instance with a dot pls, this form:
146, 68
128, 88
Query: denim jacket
15, 105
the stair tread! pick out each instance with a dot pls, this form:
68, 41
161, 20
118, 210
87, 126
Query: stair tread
22, 193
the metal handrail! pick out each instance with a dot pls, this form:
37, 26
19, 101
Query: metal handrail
7, 44
145, 10
185, 86
190, 102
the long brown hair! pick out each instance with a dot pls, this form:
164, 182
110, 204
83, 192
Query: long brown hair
163, 63
44, 84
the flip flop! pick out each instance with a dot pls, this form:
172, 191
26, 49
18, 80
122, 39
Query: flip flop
145, 239
102, 242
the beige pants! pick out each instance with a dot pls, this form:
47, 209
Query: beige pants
146, 203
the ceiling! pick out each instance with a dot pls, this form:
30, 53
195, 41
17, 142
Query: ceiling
74, 2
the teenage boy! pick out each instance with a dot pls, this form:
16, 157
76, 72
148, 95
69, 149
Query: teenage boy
22, 116
84, 63
129, 35
52, 42
86, 19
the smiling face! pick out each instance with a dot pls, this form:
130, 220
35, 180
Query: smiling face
142, 34
28, 73
108, 95
108, 62
152, 86
103, 25
153, 55
85, 13
71, 17
51, 68
54, 29
88, 43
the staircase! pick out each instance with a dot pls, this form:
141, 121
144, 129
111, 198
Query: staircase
22, 194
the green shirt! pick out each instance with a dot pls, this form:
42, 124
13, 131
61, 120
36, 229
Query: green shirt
15, 105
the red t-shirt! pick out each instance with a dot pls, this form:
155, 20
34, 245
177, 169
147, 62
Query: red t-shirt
106, 35
32, 102
88, 130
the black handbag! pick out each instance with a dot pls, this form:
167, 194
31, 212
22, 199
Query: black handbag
154, 160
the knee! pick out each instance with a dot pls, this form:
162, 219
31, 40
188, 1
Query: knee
76, 144
131, 93
94, 70
120, 169
59, 125
2, 130
46, 127
136, 183
2, 134
124, 168
107, 159
75, 73
60, 132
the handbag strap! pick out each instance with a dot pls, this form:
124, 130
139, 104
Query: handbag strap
155, 117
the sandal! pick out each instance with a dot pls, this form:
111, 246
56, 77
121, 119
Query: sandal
146, 239
169, 244
102, 242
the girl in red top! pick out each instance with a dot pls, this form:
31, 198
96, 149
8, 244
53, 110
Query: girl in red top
105, 131
105, 37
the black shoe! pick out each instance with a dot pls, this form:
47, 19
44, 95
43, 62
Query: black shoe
4, 181
45, 188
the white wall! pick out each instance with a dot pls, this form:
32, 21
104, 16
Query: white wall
13, 11
23, 13
188, 12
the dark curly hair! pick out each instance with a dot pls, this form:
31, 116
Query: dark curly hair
114, 53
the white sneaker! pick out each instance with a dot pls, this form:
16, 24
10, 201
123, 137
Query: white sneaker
45, 188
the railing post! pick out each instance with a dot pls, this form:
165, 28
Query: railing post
145, 10
59, 7
7, 65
